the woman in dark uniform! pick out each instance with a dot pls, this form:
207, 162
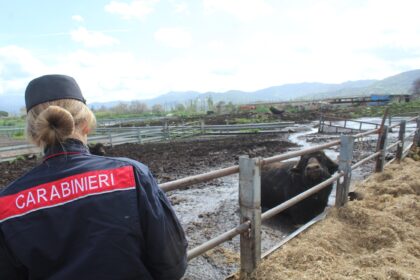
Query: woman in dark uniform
78, 215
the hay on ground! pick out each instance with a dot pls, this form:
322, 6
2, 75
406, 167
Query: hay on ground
374, 238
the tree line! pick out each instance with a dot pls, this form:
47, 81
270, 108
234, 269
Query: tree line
198, 105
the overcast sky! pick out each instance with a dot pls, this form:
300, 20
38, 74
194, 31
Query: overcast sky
123, 50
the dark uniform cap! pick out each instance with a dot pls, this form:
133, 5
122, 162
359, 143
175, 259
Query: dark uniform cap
51, 87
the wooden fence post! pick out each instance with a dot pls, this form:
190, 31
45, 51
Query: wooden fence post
166, 134
139, 136
390, 122
202, 127
110, 138
321, 124
346, 156
382, 143
417, 135
250, 210
400, 147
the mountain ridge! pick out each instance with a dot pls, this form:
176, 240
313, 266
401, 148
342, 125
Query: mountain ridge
397, 84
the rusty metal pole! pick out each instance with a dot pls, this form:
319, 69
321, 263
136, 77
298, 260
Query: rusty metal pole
381, 147
346, 156
250, 210
400, 147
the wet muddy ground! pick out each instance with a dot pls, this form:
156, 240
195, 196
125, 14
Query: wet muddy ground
206, 209
209, 209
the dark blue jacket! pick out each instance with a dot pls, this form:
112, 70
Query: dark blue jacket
80, 216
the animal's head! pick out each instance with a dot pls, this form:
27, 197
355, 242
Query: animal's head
315, 166
97, 149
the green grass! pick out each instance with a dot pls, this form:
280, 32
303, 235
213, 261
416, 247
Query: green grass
252, 130
394, 108
13, 121
20, 135
260, 118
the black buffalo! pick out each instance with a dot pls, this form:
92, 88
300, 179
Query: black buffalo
276, 111
282, 181
97, 149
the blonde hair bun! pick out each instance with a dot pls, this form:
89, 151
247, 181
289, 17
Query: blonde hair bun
54, 125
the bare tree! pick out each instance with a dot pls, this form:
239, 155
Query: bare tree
120, 108
157, 109
179, 107
137, 107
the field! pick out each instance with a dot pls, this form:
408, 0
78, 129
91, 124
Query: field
208, 209
169, 161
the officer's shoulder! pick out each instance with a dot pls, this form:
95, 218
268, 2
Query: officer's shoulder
140, 167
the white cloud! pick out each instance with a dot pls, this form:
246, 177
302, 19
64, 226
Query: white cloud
77, 18
17, 67
241, 9
174, 37
106, 76
216, 45
294, 41
92, 39
181, 8
137, 9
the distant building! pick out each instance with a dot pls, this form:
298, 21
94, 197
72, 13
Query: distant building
379, 100
247, 107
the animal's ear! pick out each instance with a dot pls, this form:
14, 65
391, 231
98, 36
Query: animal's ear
300, 166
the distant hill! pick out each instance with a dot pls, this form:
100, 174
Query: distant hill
275, 93
398, 84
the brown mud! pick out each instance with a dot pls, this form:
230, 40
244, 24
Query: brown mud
207, 209
173, 160
235, 118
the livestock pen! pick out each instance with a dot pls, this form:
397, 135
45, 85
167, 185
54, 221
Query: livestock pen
149, 134
249, 170
361, 137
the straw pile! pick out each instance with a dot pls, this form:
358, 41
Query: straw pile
377, 237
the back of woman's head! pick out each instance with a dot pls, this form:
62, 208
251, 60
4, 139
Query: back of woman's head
53, 122
56, 110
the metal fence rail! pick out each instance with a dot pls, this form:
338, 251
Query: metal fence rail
148, 134
327, 121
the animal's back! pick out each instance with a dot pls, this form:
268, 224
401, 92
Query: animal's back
274, 178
